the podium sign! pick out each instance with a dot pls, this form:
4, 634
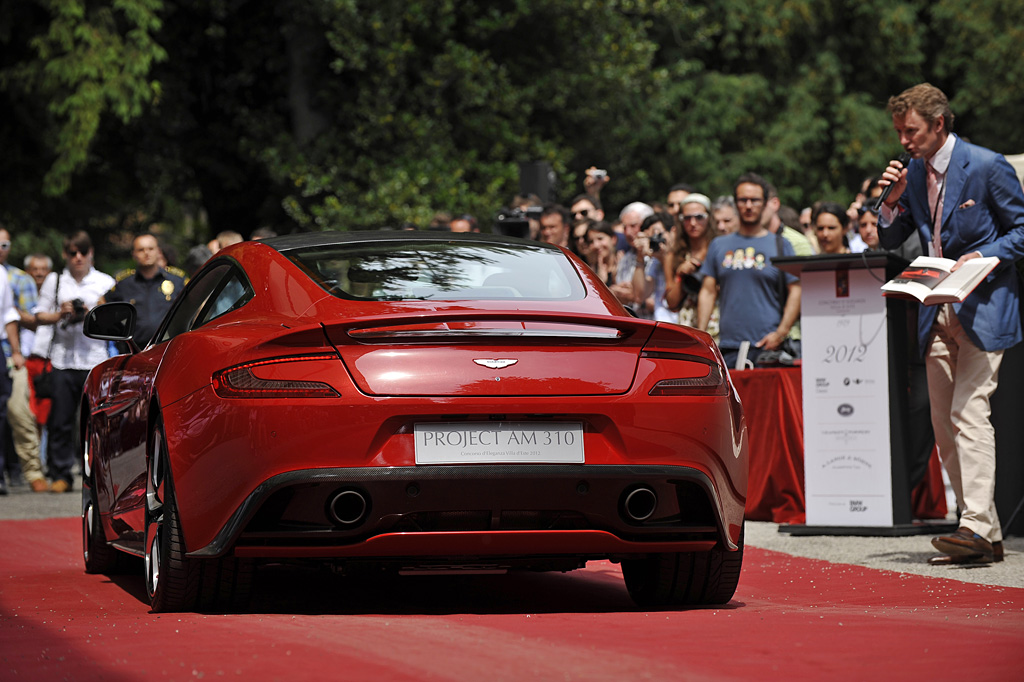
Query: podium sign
847, 465
856, 374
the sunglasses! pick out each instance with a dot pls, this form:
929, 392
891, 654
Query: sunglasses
695, 216
582, 214
75, 252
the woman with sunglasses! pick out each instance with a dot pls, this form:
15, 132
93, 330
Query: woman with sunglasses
694, 230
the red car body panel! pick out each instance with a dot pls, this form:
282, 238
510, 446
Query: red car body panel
394, 365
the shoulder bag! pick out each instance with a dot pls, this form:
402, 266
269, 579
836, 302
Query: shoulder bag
42, 383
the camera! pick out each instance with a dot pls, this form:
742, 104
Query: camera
79, 310
599, 174
515, 222
657, 241
691, 285
77, 315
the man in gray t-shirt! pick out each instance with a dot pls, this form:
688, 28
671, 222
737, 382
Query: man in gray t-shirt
738, 274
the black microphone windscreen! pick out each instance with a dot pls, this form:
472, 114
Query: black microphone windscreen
904, 159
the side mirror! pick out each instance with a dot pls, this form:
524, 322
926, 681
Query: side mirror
111, 322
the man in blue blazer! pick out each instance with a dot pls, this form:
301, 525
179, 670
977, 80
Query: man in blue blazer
964, 202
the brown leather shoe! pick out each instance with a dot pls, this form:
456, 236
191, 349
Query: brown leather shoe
961, 559
60, 486
964, 542
40, 485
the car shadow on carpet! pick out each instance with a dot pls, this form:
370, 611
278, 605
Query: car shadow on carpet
291, 590
315, 591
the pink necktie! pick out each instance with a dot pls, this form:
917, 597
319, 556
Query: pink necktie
935, 203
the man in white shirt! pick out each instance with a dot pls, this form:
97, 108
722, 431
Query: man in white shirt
64, 299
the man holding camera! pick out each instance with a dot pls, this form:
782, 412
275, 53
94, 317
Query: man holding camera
64, 299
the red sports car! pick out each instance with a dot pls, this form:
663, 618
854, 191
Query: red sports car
419, 402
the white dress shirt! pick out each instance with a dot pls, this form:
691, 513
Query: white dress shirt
71, 348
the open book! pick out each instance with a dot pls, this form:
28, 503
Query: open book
930, 281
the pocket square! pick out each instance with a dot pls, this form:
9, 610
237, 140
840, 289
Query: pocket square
966, 204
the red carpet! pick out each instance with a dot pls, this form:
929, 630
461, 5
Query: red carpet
791, 619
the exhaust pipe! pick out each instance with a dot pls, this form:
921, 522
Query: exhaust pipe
348, 507
640, 504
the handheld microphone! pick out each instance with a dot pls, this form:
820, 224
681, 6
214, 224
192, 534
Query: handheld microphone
904, 159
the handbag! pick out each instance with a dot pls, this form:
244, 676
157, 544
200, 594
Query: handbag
42, 383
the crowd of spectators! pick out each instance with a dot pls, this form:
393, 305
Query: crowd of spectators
42, 310
661, 255
683, 258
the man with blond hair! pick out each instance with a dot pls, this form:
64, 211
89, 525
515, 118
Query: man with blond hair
963, 202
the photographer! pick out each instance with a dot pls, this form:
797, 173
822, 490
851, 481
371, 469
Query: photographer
64, 299
653, 246
695, 228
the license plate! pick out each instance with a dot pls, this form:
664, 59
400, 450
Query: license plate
515, 442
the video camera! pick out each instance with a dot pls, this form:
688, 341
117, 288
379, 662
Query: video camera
515, 222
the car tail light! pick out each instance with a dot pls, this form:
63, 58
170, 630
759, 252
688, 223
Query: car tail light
693, 376
242, 382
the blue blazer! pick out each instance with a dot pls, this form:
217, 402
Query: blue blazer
983, 210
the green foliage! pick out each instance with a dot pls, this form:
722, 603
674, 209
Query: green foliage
92, 60
432, 105
981, 56
348, 114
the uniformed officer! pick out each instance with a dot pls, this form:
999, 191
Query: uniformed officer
149, 287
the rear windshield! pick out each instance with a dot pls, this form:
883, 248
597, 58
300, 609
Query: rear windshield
440, 271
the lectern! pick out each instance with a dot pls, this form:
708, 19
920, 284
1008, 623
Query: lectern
857, 371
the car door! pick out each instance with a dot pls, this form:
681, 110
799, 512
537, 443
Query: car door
129, 424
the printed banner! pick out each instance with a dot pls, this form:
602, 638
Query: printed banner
847, 470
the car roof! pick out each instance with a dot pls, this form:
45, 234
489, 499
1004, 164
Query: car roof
312, 239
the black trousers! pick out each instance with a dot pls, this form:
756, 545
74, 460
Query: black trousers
5, 393
61, 449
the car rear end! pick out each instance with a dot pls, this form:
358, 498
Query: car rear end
468, 405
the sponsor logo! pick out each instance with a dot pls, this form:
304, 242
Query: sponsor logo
845, 410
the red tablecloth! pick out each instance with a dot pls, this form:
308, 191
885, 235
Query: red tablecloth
772, 403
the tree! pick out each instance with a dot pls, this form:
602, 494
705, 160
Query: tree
70, 70
348, 114
92, 59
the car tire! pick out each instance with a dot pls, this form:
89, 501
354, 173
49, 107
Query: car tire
685, 578
175, 582
99, 557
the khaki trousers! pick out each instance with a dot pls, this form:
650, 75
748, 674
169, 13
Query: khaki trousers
961, 379
24, 429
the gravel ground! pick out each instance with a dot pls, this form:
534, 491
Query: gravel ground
22, 503
901, 554
908, 554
